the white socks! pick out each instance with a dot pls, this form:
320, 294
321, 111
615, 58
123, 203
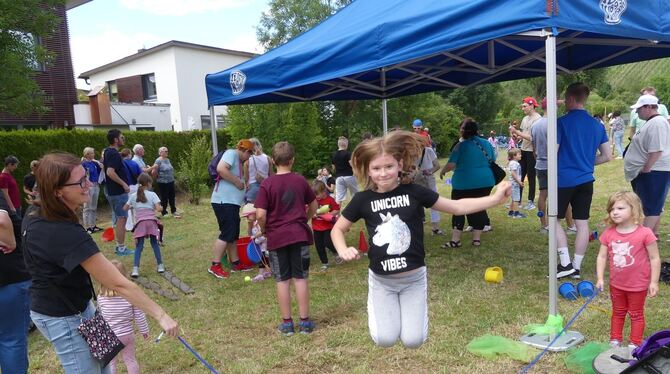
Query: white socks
577, 263
564, 256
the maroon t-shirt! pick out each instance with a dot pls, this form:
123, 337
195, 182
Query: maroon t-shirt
284, 197
8, 182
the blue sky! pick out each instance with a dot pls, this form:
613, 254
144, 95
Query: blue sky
103, 31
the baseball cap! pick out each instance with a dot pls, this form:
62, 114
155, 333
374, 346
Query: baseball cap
417, 123
530, 101
645, 100
245, 144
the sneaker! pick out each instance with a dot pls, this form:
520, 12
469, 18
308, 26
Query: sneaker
97, 229
530, 206
519, 215
217, 271
324, 268
615, 343
286, 328
123, 251
510, 214
240, 267
632, 347
160, 268
544, 230
572, 230
89, 230
564, 271
576, 275
258, 278
136, 272
467, 229
619, 158
338, 259
176, 214
487, 228
438, 232
306, 327
267, 274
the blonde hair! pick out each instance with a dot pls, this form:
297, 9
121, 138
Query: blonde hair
402, 145
629, 198
513, 152
108, 292
88, 150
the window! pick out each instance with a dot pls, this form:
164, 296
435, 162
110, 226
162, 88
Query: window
149, 86
113, 91
32, 45
206, 124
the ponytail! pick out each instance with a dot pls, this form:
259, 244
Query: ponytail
144, 180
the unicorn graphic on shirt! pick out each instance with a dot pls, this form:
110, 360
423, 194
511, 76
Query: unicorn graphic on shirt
394, 232
621, 255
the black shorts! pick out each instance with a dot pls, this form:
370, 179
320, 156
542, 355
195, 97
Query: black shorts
289, 262
228, 217
542, 179
579, 197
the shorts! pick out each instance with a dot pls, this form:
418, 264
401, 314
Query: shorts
228, 218
252, 192
342, 184
542, 180
579, 197
289, 262
116, 203
652, 188
516, 192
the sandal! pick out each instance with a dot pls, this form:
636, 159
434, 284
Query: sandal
476, 242
451, 244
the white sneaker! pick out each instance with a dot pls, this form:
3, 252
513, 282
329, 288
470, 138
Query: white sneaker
530, 205
615, 343
487, 228
161, 268
467, 229
324, 268
136, 272
572, 230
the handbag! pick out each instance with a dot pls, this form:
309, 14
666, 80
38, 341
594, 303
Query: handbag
418, 176
259, 178
498, 173
102, 341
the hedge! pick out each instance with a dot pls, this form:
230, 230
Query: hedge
30, 145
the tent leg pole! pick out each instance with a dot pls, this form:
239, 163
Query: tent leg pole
385, 123
212, 122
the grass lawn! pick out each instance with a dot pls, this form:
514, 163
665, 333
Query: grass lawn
232, 324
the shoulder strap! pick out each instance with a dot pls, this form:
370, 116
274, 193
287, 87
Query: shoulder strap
483, 150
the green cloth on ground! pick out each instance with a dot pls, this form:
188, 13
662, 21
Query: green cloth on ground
554, 325
581, 360
490, 346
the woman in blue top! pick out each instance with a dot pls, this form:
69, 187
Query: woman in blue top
472, 178
93, 169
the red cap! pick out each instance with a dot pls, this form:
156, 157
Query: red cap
530, 101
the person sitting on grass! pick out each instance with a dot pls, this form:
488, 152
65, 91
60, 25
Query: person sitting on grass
280, 210
393, 214
321, 225
146, 204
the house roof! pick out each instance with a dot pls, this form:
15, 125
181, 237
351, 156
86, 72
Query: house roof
172, 43
69, 4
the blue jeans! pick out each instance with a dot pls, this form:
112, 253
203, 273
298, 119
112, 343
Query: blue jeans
116, 203
14, 325
618, 140
140, 246
72, 350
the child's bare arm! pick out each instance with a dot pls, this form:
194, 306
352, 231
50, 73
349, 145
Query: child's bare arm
311, 208
601, 261
261, 219
342, 226
655, 261
471, 205
158, 208
517, 178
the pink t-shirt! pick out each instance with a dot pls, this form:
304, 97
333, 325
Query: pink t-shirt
630, 269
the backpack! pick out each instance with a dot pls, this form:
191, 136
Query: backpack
654, 342
213, 174
652, 356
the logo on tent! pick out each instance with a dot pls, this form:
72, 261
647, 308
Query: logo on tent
613, 10
237, 81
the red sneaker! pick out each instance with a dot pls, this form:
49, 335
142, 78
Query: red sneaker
217, 271
240, 267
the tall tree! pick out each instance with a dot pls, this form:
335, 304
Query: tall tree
23, 24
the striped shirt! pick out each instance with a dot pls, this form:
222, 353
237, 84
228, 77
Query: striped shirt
120, 314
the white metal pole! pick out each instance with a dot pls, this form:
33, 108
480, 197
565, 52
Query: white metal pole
552, 167
385, 124
212, 122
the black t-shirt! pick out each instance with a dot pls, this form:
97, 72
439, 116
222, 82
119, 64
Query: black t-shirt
113, 160
54, 252
12, 267
29, 181
341, 161
394, 221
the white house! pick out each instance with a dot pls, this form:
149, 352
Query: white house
172, 73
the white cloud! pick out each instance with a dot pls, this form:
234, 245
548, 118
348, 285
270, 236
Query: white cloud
180, 7
92, 51
244, 42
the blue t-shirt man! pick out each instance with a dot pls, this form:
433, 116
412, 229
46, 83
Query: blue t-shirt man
579, 136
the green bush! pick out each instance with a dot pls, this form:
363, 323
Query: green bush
30, 145
192, 171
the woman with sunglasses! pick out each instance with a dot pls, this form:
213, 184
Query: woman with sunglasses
61, 258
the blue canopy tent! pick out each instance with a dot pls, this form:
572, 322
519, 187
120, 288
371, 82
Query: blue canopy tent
379, 49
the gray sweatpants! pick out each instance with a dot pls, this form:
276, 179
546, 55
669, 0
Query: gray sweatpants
398, 308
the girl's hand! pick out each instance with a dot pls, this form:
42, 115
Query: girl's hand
349, 254
600, 284
653, 289
168, 325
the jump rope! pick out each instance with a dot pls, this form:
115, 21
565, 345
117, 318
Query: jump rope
574, 317
193, 352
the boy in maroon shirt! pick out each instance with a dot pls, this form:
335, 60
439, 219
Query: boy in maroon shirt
280, 211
